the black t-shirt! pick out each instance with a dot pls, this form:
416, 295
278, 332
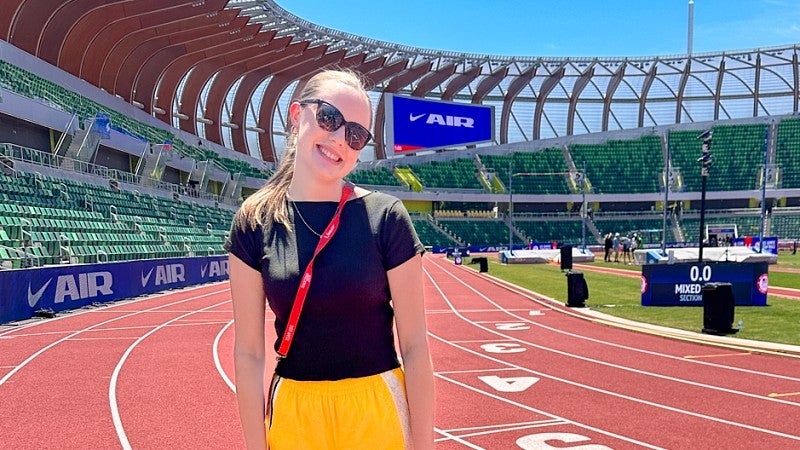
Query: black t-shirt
345, 329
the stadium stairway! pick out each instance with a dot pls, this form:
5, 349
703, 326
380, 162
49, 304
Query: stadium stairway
408, 178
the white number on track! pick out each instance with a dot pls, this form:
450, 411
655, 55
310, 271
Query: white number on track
514, 384
539, 441
503, 348
512, 326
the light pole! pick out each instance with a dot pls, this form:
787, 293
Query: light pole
666, 201
763, 195
510, 211
706, 162
585, 209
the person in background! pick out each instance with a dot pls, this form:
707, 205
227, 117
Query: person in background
626, 249
339, 384
607, 244
616, 244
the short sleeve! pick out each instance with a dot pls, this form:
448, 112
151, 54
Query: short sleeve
399, 237
246, 244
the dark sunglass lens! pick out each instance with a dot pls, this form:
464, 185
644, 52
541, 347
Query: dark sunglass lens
329, 118
357, 136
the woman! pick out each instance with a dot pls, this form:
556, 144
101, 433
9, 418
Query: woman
339, 383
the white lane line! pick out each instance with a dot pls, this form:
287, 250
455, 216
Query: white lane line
217, 362
605, 363
506, 425
72, 335
507, 364
112, 386
450, 437
447, 311
195, 324
585, 386
100, 330
104, 339
113, 305
47, 333
532, 296
453, 372
550, 423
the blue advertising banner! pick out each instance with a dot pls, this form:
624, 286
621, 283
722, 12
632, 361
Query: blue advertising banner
486, 248
416, 124
682, 284
66, 287
102, 125
770, 243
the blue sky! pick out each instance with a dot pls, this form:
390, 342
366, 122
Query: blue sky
562, 27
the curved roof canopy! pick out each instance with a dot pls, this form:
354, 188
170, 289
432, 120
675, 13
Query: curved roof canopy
226, 69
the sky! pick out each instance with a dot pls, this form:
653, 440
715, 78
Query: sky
562, 28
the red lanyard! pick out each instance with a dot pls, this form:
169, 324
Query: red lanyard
305, 281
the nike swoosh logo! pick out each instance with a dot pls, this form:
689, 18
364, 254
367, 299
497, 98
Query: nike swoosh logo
33, 299
203, 270
146, 278
414, 118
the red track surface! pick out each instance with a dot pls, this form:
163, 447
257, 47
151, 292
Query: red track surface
511, 373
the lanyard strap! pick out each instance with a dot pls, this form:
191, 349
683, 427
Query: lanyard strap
305, 280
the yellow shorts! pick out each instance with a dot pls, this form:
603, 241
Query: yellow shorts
355, 413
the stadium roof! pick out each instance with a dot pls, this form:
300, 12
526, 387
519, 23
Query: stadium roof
226, 70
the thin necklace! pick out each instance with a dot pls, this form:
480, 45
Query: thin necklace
302, 219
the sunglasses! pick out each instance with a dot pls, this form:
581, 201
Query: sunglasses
330, 119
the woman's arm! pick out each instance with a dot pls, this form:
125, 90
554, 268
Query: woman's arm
405, 284
248, 353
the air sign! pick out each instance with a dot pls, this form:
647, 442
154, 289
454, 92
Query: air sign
416, 124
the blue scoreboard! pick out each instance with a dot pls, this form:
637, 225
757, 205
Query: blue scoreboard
682, 284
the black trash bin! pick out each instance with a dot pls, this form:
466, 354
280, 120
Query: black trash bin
718, 308
577, 290
566, 257
483, 263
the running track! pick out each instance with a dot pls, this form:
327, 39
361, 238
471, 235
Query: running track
512, 372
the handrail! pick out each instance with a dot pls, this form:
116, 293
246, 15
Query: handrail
65, 133
81, 148
25, 255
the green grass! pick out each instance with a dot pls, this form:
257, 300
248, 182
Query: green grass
620, 296
788, 260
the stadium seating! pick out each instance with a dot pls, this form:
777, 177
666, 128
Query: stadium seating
615, 167
479, 231
650, 229
454, 174
737, 152
48, 220
533, 172
379, 176
52, 220
562, 231
785, 225
746, 225
787, 153
430, 235
25, 83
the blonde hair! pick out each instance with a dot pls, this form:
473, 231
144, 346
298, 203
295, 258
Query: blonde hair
268, 204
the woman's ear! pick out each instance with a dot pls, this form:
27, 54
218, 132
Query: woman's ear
294, 115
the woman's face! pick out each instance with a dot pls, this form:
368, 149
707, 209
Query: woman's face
326, 155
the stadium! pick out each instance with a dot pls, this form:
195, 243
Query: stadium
131, 131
